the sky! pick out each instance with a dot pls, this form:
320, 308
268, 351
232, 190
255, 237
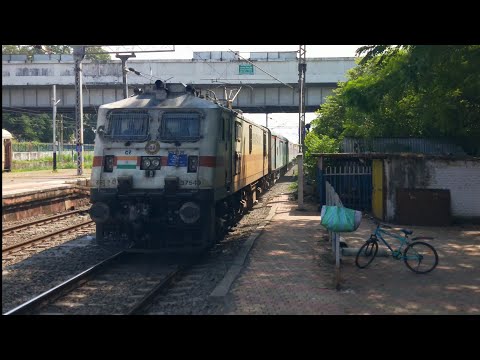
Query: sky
186, 51
285, 124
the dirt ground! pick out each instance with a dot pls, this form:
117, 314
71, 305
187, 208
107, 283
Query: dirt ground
387, 286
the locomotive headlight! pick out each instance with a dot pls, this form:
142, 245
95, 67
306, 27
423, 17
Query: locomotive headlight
155, 163
146, 163
150, 163
189, 212
108, 163
192, 164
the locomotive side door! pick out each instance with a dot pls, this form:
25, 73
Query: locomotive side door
227, 136
237, 153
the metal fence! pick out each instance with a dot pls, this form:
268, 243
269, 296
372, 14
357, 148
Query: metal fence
40, 147
352, 182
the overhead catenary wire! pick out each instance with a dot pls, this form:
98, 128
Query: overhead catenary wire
259, 68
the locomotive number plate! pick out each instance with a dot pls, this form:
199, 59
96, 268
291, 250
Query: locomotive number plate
189, 182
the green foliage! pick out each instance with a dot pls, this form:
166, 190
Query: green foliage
29, 127
315, 143
293, 187
96, 49
64, 161
91, 52
414, 90
39, 127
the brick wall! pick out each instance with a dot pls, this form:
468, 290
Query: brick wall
462, 178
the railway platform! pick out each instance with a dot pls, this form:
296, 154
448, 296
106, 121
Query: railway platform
31, 193
14, 183
287, 268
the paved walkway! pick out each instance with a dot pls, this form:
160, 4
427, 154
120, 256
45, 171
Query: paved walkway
387, 286
287, 271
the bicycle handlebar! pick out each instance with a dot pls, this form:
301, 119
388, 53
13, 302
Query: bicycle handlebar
378, 223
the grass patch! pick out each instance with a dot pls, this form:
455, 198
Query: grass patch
293, 186
46, 163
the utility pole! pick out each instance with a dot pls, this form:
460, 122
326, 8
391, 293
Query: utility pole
124, 59
54, 104
78, 55
61, 134
266, 120
302, 68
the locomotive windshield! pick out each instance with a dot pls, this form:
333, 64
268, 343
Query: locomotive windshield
127, 125
180, 126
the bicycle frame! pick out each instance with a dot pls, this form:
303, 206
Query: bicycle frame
397, 253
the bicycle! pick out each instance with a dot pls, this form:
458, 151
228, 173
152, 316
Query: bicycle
415, 255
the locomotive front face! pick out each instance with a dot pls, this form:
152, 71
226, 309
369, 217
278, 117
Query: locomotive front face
153, 170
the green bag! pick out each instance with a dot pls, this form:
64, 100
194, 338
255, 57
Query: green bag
340, 219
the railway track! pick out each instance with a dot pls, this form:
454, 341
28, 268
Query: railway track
38, 239
36, 233
8, 230
125, 283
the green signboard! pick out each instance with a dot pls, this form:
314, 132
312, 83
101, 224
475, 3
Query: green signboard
245, 69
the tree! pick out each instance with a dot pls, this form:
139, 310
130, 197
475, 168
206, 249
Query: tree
317, 144
26, 127
407, 90
92, 52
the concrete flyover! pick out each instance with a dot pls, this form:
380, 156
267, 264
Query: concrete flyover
28, 84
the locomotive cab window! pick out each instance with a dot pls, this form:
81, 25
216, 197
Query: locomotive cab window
180, 127
127, 125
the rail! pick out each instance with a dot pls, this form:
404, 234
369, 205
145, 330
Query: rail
64, 287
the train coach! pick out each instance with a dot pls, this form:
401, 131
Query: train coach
174, 171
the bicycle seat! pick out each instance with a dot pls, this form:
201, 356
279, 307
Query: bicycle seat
407, 232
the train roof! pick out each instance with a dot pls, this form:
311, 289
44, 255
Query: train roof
174, 95
281, 137
161, 95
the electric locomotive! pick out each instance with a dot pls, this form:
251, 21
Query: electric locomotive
173, 170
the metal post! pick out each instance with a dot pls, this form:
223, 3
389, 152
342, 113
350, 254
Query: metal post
61, 136
337, 261
302, 67
300, 181
54, 104
79, 54
266, 120
124, 59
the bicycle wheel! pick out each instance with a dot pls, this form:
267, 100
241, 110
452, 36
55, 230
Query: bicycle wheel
366, 254
420, 257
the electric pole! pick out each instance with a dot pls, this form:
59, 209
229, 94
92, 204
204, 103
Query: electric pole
78, 55
124, 59
54, 104
61, 134
302, 68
